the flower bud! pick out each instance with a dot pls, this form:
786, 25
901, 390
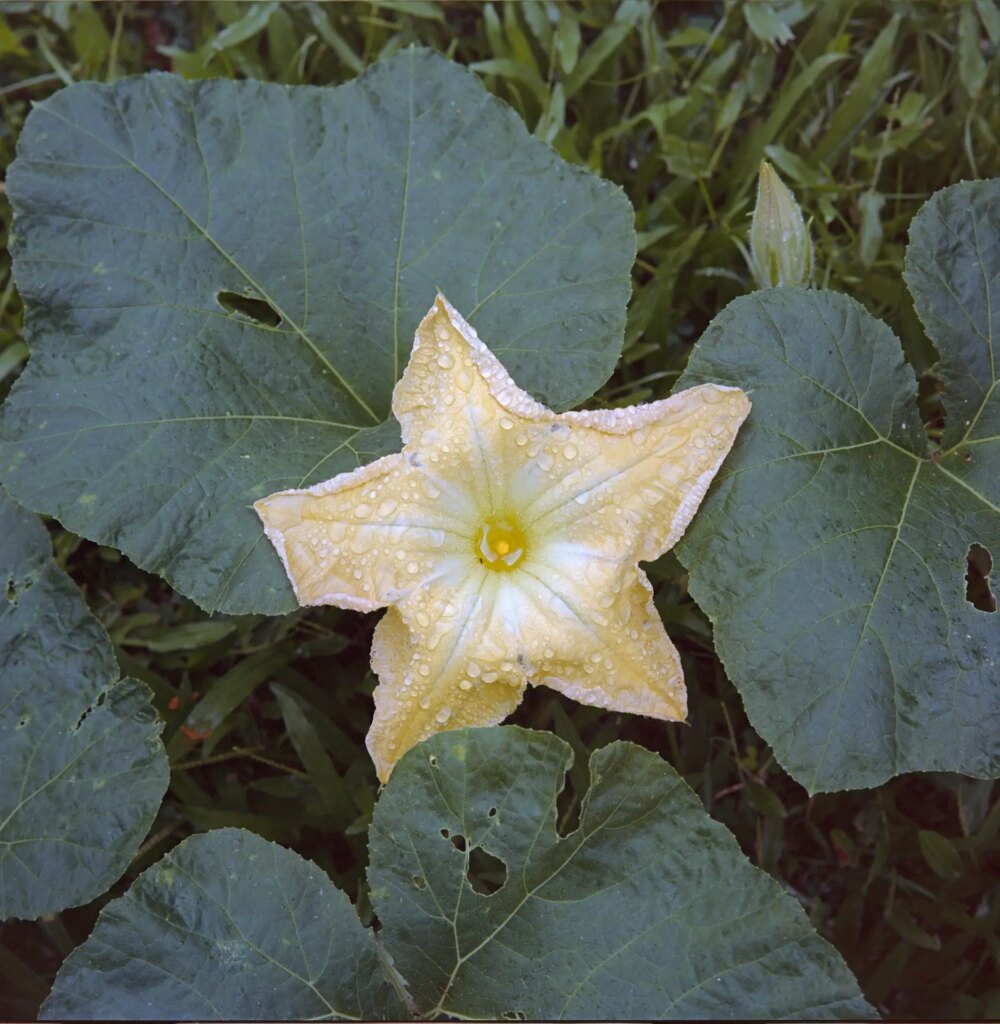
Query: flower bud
780, 246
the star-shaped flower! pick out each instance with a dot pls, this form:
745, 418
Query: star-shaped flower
505, 540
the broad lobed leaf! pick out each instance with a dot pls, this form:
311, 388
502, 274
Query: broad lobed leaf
223, 280
83, 766
831, 556
226, 926
648, 910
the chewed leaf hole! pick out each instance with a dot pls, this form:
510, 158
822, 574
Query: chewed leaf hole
458, 841
246, 307
513, 1015
101, 697
419, 881
486, 874
977, 579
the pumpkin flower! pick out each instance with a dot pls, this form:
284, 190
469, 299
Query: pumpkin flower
505, 541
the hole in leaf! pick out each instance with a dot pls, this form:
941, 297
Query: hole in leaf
492, 812
445, 833
930, 402
568, 805
246, 307
486, 874
11, 590
979, 564
432, 761
97, 703
514, 1015
419, 881
458, 841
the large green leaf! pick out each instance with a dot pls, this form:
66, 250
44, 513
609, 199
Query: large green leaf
223, 280
226, 926
831, 555
647, 910
83, 768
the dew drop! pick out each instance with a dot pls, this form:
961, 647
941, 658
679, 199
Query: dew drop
423, 619
442, 332
425, 703
465, 684
473, 670
387, 506
445, 361
363, 511
442, 716
412, 568
506, 423
570, 451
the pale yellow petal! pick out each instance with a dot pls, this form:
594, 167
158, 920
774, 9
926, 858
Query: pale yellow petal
625, 484
438, 669
595, 635
451, 372
365, 539
459, 409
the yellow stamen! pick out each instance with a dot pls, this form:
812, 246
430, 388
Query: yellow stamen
500, 544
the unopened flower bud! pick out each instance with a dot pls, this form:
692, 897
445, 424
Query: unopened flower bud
780, 246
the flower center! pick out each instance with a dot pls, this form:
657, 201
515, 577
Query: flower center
500, 544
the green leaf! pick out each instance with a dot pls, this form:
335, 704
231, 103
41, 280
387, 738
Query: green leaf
223, 280
226, 926
940, 854
647, 910
870, 203
952, 268
971, 65
831, 555
83, 766
870, 85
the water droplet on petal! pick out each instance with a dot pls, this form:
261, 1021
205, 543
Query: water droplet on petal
465, 684
363, 511
442, 716
506, 423
445, 361
387, 506
570, 451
